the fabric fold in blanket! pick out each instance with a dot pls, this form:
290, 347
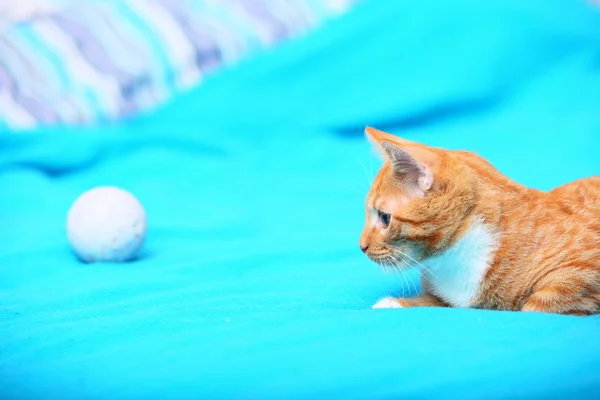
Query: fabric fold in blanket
251, 284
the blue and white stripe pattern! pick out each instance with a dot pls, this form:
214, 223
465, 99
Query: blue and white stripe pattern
78, 62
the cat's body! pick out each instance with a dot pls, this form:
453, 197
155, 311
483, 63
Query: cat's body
480, 239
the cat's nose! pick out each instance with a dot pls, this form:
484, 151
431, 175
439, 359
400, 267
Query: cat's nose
364, 247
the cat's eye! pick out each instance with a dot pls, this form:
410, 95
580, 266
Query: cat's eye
384, 218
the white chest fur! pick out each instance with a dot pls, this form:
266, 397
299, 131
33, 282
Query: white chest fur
456, 275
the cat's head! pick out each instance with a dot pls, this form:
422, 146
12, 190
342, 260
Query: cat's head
418, 203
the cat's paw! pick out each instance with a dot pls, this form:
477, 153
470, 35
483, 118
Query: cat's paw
388, 302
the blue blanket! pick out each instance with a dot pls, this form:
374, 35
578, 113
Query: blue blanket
251, 285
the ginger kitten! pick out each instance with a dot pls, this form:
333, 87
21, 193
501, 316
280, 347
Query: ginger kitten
480, 239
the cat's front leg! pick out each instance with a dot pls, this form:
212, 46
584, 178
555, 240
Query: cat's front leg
424, 300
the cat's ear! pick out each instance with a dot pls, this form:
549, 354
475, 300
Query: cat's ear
408, 169
376, 136
403, 156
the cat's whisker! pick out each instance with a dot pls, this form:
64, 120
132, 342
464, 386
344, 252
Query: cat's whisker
403, 254
362, 186
422, 274
365, 169
362, 190
397, 269
400, 270
399, 256
409, 277
386, 269
428, 253
371, 169
361, 196
388, 264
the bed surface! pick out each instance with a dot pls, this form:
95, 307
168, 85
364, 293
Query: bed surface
251, 285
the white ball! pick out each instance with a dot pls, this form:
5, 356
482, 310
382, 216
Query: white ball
106, 224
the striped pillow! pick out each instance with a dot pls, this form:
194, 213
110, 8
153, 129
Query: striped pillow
72, 62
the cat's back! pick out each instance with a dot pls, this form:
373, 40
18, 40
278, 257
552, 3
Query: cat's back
581, 198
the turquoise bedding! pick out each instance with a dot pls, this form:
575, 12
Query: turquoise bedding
251, 285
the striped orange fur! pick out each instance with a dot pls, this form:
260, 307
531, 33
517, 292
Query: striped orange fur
480, 239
